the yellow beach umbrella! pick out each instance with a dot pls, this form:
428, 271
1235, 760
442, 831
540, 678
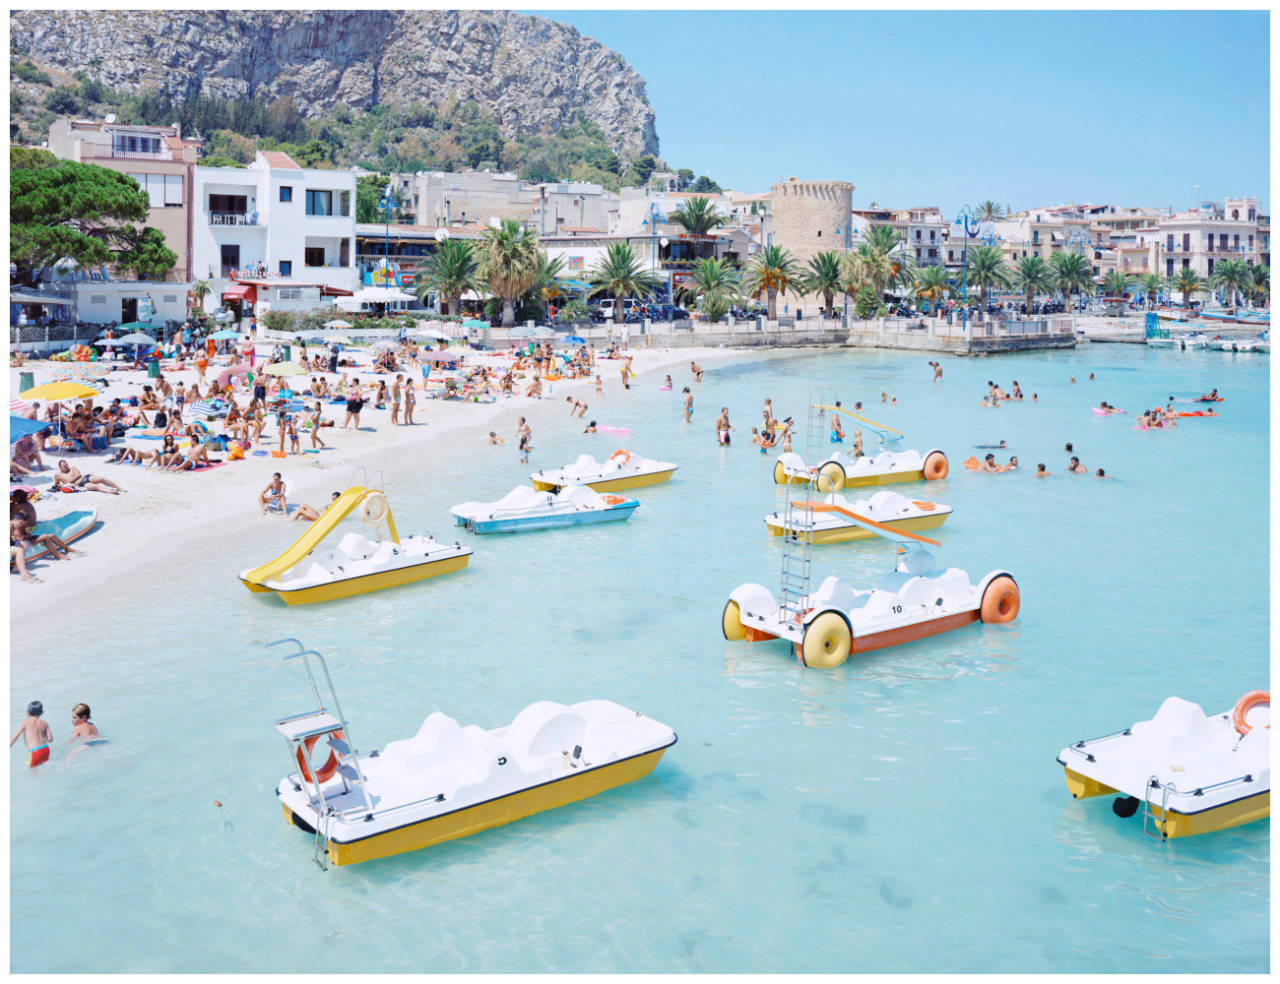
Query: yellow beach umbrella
59, 391
285, 369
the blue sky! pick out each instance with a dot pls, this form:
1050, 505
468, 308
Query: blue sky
928, 108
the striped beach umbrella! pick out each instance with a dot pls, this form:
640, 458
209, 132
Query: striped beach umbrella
17, 407
202, 410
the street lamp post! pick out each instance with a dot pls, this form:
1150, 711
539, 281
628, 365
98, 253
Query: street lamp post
963, 219
387, 203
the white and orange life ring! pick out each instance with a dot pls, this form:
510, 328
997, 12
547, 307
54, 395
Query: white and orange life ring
326, 771
626, 455
1240, 713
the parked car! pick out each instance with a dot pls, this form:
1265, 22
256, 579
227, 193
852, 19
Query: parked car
671, 312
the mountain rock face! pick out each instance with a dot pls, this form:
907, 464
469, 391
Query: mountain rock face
534, 74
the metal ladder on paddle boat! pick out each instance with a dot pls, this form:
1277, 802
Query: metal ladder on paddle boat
302, 731
796, 569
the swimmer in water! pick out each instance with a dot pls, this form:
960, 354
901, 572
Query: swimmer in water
1103, 474
590, 428
1041, 471
36, 735
937, 371
1076, 467
723, 427
688, 404
989, 464
82, 729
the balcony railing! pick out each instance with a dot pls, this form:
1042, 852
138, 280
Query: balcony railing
234, 219
119, 153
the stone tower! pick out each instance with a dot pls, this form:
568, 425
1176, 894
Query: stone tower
809, 217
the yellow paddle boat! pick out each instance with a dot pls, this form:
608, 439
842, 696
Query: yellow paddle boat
622, 470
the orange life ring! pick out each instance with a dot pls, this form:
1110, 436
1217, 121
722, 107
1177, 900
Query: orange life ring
972, 463
626, 455
1254, 698
935, 466
326, 771
1000, 601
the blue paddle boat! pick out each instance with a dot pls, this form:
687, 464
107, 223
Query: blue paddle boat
522, 509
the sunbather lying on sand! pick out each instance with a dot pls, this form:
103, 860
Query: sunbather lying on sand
69, 474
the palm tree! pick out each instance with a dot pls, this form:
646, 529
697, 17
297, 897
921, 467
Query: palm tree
1233, 276
200, 290
1116, 283
508, 263
1188, 282
1032, 275
697, 216
931, 285
772, 272
547, 285
824, 277
620, 274
1261, 281
712, 287
892, 245
987, 269
989, 211
875, 269
1071, 272
854, 274
450, 271
1151, 283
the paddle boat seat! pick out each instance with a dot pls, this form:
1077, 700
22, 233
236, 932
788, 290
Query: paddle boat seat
834, 593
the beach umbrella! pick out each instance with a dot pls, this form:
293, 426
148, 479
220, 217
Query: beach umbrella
338, 323
137, 326
20, 427
437, 357
133, 338
285, 369
202, 410
575, 340
16, 406
340, 339
382, 345
432, 333
222, 334
225, 375
59, 391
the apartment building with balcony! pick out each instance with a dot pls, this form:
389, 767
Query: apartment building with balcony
275, 221
1199, 238
159, 158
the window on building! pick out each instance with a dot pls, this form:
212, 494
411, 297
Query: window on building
1169, 244
162, 189
1235, 213
314, 255
933, 235
1186, 241
286, 193
344, 251
286, 268
1252, 214
951, 255
344, 203
237, 204
819, 233
319, 203
173, 190
1235, 241
131, 143
1210, 266
933, 254
1250, 242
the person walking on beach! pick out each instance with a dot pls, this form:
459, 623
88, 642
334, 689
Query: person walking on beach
396, 388
317, 421
36, 735
355, 402
723, 427
626, 373
688, 405
410, 398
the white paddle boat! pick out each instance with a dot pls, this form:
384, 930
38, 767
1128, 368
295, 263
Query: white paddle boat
1189, 773
449, 781
620, 471
523, 509
886, 507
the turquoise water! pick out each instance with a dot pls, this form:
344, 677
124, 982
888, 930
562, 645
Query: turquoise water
901, 813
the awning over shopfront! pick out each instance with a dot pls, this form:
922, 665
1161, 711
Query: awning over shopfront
241, 292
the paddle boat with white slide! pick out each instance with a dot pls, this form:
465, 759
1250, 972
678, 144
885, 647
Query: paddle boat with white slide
1189, 772
887, 507
620, 471
843, 469
307, 572
449, 781
522, 509
917, 599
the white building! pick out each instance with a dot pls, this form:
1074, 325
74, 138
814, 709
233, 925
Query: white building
276, 222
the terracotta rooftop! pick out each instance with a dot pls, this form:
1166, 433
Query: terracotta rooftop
276, 158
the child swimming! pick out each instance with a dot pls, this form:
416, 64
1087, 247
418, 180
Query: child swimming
36, 735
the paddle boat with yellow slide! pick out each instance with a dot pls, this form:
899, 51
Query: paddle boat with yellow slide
1188, 772
916, 600
449, 781
886, 507
622, 470
847, 469
307, 572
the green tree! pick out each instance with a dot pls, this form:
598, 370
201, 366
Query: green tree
620, 275
62, 100
931, 285
987, 269
1187, 282
369, 189
1151, 285
1071, 272
450, 271
1233, 276
686, 178
1116, 283
705, 186
865, 304
697, 216
88, 213
200, 290
989, 211
1032, 275
824, 277
1260, 282
712, 286
507, 264
771, 273
219, 160
892, 245
548, 285
644, 168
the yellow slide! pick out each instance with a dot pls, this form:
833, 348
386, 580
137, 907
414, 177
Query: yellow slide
317, 531
865, 420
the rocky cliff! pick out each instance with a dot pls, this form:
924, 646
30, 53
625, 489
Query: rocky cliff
536, 75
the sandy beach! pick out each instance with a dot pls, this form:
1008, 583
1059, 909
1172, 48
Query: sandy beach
156, 528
